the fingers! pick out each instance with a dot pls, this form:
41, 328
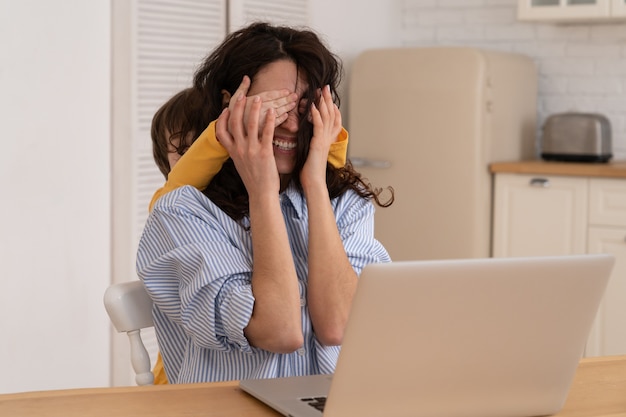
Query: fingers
268, 129
281, 101
338, 123
325, 108
221, 129
236, 119
246, 116
240, 136
283, 106
259, 132
242, 90
279, 98
253, 121
263, 122
326, 117
333, 113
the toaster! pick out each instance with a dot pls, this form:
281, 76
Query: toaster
576, 137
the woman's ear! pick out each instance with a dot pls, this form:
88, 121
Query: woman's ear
225, 98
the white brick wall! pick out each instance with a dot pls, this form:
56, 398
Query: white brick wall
582, 67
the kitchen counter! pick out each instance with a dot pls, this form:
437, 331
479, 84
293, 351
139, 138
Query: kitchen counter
613, 169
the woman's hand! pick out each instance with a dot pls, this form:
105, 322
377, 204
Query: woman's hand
251, 152
326, 119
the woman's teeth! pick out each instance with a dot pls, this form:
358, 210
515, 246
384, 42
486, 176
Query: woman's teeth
284, 145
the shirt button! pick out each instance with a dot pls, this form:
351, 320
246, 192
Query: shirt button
302, 302
301, 351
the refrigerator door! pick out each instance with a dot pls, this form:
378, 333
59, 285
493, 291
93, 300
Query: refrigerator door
424, 121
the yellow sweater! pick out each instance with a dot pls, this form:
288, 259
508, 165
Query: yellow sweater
198, 166
206, 155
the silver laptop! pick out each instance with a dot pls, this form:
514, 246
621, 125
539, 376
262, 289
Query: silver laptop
455, 338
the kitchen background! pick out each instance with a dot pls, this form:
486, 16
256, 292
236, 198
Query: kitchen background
59, 103
582, 67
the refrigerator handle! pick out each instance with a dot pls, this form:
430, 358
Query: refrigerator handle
369, 163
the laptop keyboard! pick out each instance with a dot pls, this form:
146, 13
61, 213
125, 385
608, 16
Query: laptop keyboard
316, 402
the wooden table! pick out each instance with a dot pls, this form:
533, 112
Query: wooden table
598, 390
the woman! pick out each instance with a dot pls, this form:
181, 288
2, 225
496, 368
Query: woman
254, 277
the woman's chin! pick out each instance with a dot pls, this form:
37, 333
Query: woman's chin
285, 167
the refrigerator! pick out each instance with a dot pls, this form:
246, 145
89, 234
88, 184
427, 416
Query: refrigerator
428, 122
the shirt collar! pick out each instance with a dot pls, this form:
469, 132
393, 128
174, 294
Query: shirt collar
293, 196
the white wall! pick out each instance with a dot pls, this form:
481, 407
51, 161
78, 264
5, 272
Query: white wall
581, 67
54, 216
351, 26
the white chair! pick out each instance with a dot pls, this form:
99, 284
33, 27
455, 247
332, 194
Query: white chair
130, 309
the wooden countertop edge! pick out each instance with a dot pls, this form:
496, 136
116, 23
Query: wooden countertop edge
117, 390
614, 169
226, 385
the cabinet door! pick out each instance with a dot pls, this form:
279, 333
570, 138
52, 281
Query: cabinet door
539, 215
563, 10
607, 202
608, 335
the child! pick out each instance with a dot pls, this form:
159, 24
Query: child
175, 126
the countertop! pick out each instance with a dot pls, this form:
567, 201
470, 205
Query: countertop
612, 169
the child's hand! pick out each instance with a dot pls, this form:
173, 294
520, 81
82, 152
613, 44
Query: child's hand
282, 101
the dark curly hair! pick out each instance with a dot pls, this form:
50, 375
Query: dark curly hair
245, 52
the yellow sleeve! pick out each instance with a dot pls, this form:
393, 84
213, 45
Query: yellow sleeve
206, 155
160, 378
339, 150
197, 166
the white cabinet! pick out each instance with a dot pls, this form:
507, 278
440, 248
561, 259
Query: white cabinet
571, 10
536, 215
607, 234
539, 215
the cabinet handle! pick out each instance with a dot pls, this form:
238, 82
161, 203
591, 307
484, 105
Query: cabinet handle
540, 182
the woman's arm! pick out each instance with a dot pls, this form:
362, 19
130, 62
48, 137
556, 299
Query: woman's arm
332, 280
194, 272
276, 322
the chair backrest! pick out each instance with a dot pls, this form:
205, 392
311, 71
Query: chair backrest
130, 309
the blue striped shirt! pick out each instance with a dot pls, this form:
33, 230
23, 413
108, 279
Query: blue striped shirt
196, 263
